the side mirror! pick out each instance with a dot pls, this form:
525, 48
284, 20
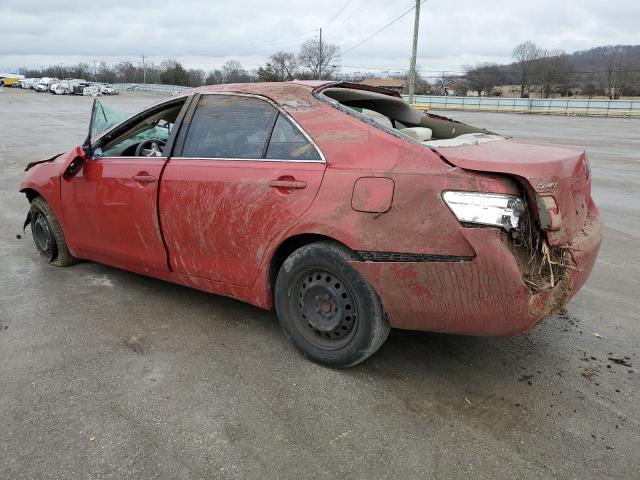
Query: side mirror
75, 165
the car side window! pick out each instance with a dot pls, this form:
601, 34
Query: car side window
288, 143
229, 126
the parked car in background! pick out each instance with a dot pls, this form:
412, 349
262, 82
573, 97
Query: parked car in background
336, 204
107, 89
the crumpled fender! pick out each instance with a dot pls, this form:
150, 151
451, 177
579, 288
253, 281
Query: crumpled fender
33, 164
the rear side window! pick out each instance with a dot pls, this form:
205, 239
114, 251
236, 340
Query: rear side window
229, 126
288, 143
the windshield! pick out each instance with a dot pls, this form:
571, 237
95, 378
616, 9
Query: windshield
103, 118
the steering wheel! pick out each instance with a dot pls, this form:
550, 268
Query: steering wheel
150, 148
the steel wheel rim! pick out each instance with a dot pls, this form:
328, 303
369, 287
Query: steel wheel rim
325, 309
42, 236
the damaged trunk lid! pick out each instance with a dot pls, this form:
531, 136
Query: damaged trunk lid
557, 179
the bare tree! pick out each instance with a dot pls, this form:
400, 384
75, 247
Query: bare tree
590, 89
281, 66
565, 74
196, 77
284, 64
106, 73
319, 59
553, 68
422, 86
233, 72
214, 78
126, 72
618, 66
525, 56
483, 77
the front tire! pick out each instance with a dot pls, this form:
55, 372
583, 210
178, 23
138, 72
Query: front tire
327, 309
47, 234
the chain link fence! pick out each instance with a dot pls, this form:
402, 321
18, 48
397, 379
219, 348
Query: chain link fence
545, 106
149, 87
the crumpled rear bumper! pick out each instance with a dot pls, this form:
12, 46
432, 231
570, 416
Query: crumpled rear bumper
484, 296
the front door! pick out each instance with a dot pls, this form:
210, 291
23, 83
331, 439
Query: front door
110, 211
110, 205
243, 172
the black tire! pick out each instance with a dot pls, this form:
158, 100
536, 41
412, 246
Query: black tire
47, 234
327, 309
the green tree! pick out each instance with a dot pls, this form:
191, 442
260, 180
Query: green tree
173, 73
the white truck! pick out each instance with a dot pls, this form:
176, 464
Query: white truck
45, 83
65, 87
91, 90
29, 83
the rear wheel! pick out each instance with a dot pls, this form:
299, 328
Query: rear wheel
329, 312
47, 234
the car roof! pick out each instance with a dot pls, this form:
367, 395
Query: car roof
259, 87
277, 91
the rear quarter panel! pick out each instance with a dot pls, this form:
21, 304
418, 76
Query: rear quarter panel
418, 221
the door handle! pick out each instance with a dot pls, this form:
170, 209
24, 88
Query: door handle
144, 178
287, 184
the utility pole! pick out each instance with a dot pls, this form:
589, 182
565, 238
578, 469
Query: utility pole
144, 72
95, 71
321, 57
412, 66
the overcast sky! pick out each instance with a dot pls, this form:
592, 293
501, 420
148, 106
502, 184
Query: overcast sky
204, 34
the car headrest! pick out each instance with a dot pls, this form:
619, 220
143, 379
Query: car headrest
421, 134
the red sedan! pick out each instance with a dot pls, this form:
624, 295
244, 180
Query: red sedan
337, 204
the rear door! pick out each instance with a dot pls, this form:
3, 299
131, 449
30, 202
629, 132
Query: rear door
242, 172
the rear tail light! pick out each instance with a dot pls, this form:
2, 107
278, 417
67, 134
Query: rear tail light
492, 209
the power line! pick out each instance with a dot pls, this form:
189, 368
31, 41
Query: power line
463, 72
346, 22
434, 70
339, 12
382, 29
287, 40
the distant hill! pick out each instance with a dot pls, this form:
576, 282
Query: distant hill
612, 71
591, 60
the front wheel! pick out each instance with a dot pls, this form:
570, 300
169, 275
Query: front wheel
327, 309
47, 234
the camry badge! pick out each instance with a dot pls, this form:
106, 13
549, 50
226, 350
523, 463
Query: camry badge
547, 186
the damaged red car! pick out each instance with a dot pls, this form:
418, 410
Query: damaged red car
338, 205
